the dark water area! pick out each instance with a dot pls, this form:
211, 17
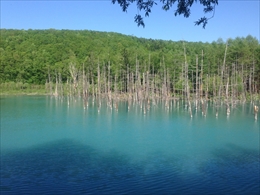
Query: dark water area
48, 147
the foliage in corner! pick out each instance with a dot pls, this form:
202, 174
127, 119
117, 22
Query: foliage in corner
183, 8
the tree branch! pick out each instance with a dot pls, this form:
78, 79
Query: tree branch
183, 8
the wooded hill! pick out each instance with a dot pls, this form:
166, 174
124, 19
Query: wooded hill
93, 63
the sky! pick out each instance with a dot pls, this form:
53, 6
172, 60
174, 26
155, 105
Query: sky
233, 18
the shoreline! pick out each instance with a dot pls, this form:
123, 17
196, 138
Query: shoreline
21, 93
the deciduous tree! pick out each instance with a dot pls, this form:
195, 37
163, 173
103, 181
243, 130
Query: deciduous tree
183, 8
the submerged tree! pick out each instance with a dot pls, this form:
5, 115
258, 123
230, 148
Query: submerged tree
98, 64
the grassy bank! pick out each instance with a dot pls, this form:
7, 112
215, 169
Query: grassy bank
12, 88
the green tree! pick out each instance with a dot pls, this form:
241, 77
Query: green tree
183, 8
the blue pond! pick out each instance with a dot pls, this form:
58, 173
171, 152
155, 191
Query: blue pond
50, 147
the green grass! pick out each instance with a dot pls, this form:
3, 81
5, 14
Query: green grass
23, 92
12, 88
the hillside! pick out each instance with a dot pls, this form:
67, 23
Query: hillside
37, 56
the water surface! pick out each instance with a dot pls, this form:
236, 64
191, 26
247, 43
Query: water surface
50, 147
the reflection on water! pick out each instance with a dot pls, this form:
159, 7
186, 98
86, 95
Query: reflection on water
50, 147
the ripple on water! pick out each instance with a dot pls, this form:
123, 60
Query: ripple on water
155, 154
67, 166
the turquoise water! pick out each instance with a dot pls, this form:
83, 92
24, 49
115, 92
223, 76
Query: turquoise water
50, 147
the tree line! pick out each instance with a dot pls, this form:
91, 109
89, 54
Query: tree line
90, 63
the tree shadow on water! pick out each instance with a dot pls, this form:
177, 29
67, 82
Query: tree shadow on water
58, 167
68, 167
233, 170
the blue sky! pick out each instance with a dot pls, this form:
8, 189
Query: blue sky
232, 18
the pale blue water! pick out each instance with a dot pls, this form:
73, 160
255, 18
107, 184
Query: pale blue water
48, 147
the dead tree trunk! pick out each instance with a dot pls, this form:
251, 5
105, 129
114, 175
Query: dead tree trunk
221, 81
187, 82
203, 106
98, 87
197, 78
74, 74
108, 86
250, 85
56, 86
60, 85
50, 82
227, 97
256, 108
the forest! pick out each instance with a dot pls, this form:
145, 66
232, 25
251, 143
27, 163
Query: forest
104, 64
